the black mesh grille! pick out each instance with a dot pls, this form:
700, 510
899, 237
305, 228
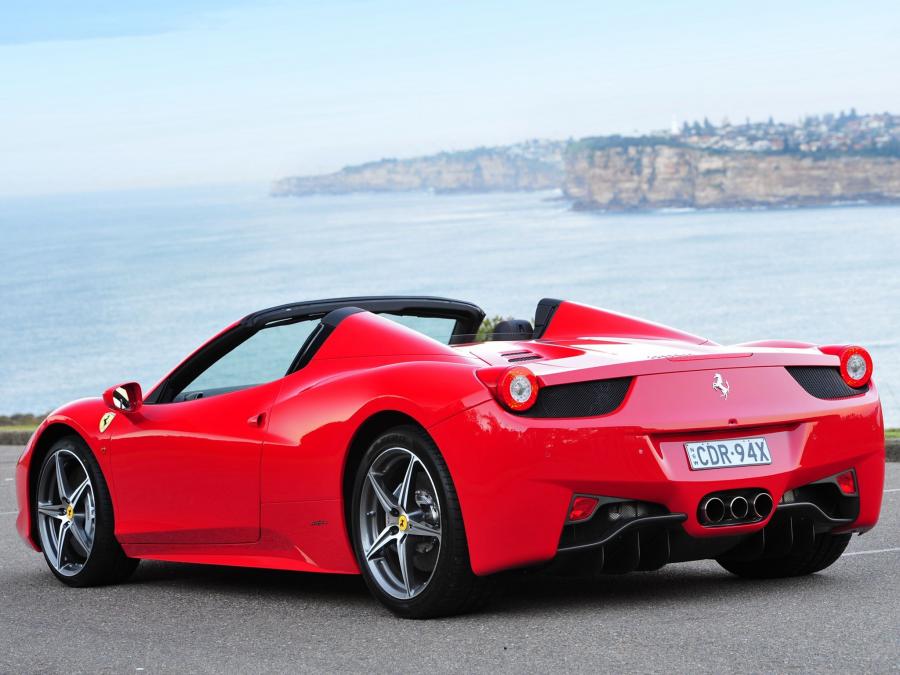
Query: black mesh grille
580, 399
824, 382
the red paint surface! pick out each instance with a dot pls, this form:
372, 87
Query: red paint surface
197, 482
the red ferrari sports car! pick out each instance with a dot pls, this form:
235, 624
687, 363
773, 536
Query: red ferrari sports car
377, 436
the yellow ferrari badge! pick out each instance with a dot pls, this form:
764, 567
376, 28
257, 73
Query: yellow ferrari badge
403, 523
106, 420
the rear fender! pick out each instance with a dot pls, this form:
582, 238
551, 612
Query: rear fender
312, 426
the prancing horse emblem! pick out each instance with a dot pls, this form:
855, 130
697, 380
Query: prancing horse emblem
106, 420
720, 384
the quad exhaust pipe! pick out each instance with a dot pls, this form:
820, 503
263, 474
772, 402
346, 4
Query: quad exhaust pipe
762, 505
712, 510
735, 510
739, 508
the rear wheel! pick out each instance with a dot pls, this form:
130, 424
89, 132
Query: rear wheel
408, 532
74, 517
825, 550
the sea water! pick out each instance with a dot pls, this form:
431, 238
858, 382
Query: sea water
101, 288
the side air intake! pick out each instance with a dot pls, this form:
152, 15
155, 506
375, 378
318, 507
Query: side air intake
580, 399
824, 382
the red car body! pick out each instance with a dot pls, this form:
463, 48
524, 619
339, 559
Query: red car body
260, 476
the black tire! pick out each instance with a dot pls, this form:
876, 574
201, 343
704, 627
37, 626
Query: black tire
106, 563
453, 588
825, 550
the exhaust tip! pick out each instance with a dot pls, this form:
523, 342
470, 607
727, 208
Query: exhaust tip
712, 510
762, 504
739, 508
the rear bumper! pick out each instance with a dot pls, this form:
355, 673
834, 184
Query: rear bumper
623, 536
515, 477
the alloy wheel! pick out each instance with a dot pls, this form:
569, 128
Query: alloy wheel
66, 512
400, 523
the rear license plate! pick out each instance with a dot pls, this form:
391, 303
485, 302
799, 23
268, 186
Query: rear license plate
724, 454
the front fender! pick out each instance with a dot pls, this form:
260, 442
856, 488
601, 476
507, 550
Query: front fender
81, 417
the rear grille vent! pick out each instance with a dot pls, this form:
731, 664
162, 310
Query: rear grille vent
518, 357
580, 399
824, 382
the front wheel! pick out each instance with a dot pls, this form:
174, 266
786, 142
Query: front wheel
74, 516
408, 532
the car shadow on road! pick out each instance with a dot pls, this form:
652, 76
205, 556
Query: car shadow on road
674, 583
523, 592
249, 580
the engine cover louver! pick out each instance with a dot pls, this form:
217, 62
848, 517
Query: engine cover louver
824, 382
518, 357
580, 399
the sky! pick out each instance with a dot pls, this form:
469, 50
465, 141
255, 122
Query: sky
106, 95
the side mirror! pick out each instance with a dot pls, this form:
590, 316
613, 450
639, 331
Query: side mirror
125, 397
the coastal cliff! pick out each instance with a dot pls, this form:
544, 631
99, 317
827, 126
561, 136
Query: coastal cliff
818, 160
642, 175
533, 165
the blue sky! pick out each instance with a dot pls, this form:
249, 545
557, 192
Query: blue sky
98, 95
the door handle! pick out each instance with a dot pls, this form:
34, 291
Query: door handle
257, 420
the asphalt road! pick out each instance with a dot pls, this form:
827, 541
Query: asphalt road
687, 617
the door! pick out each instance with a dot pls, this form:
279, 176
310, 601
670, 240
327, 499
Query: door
187, 469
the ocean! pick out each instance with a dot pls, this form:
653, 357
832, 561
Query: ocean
102, 288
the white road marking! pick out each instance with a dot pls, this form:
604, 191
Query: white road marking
8, 513
892, 490
877, 550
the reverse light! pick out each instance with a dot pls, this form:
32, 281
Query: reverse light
856, 366
518, 388
582, 508
846, 482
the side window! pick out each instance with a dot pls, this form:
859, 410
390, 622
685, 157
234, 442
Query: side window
439, 328
264, 357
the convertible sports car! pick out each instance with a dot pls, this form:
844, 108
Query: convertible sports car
377, 436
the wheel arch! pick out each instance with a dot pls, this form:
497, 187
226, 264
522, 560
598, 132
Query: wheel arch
42, 444
371, 428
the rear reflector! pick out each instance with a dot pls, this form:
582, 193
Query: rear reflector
582, 508
846, 482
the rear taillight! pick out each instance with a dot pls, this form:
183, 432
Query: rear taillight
856, 364
518, 388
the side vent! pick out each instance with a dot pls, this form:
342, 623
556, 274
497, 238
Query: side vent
824, 382
580, 399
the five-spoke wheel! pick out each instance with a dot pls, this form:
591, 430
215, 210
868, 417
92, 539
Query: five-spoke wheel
66, 512
400, 523
74, 518
407, 529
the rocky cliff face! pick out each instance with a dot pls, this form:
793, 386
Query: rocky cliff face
643, 176
536, 165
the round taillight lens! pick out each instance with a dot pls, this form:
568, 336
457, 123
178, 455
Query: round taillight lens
518, 388
856, 366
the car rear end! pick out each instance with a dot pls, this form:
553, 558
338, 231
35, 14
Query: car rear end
635, 453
